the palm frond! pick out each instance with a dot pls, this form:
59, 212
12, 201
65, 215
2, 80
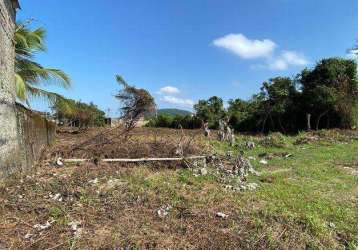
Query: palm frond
30, 74
20, 87
34, 73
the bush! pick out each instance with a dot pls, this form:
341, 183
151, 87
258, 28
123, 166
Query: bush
178, 121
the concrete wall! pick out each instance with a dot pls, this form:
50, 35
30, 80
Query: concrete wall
10, 154
23, 133
36, 133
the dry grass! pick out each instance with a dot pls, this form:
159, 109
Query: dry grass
116, 206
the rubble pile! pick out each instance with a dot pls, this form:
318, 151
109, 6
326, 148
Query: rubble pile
231, 171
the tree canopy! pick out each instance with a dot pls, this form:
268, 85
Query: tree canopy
327, 93
30, 76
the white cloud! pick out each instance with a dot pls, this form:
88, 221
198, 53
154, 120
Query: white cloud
287, 59
169, 90
178, 101
246, 48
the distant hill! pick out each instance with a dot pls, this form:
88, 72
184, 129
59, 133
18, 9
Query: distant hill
173, 112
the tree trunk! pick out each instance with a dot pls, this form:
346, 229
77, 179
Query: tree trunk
308, 122
272, 123
280, 123
264, 124
319, 118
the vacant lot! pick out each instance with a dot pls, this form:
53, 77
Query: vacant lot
306, 195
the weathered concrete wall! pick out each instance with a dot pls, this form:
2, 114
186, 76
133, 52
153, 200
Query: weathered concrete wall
10, 155
23, 133
36, 134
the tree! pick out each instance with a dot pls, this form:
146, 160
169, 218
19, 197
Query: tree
136, 103
237, 112
31, 76
211, 110
277, 94
81, 114
331, 90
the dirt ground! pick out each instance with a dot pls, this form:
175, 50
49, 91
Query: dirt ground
168, 206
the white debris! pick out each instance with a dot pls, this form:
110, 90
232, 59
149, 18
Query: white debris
59, 162
288, 155
264, 162
45, 226
251, 158
94, 181
56, 197
332, 225
203, 171
222, 215
28, 236
164, 211
75, 227
250, 145
252, 186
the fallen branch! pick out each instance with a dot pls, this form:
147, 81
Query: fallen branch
135, 160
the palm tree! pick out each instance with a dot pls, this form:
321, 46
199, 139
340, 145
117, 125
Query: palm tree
31, 76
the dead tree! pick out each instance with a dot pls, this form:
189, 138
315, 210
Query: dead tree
136, 103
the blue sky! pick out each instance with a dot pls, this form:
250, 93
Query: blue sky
185, 50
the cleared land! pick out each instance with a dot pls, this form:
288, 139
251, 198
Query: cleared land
307, 194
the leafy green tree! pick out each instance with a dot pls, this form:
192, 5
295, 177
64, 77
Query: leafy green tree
30, 76
277, 95
211, 110
331, 90
81, 114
